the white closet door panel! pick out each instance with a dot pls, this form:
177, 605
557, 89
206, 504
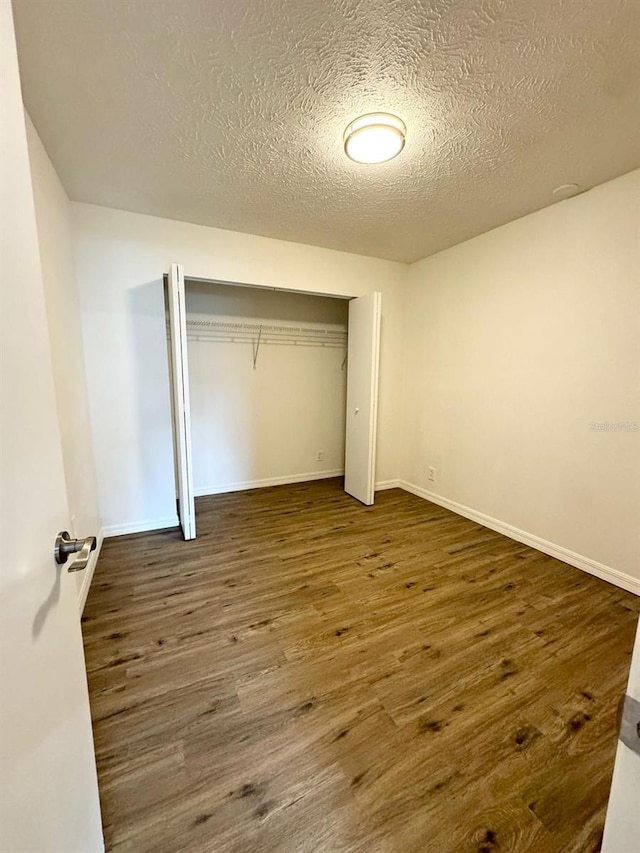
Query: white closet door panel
180, 400
362, 396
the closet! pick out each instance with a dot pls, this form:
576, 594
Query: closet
260, 385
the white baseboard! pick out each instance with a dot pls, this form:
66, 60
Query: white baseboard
271, 481
87, 576
387, 484
606, 573
140, 526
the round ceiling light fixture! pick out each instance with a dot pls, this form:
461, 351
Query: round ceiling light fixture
374, 138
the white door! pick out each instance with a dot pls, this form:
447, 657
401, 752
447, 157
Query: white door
48, 786
180, 400
362, 396
622, 826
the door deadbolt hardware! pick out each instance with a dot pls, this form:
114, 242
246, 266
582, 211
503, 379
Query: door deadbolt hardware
66, 546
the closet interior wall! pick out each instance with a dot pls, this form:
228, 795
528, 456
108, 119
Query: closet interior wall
267, 373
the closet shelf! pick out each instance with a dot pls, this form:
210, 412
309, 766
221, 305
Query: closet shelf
241, 332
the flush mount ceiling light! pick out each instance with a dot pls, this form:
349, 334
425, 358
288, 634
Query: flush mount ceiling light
374, 138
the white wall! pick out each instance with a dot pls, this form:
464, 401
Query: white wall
120, 260
271, 305
516, 342
65, 333
264, 425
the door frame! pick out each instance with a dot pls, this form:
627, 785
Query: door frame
206, 280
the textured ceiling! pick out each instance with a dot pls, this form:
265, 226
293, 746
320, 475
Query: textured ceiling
231, 112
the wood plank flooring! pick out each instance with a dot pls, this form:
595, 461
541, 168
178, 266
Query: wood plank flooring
315, 675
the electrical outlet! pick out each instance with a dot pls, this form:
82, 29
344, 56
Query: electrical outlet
432, 474
319, 455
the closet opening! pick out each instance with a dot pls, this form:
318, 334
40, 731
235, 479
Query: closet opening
265, 383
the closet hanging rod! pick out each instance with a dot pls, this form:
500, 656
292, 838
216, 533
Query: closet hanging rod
266, 328
331, 341
266, 341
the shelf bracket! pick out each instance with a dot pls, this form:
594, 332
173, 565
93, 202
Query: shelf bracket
256, 348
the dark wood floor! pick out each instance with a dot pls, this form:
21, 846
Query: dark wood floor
314, 675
